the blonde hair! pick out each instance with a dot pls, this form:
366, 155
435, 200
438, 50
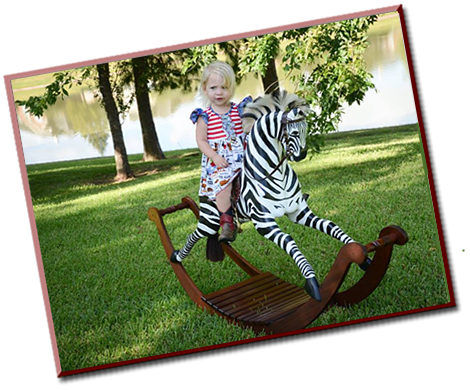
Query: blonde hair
222, 69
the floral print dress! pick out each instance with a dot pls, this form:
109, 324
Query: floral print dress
225, 136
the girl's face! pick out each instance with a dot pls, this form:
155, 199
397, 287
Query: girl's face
216, 91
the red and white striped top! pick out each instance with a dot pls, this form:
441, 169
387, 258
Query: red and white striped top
215, 126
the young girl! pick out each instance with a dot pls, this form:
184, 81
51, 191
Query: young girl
219, 136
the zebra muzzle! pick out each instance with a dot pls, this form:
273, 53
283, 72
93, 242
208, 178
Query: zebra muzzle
299, 157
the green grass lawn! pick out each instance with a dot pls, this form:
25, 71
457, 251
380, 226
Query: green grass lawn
114, 296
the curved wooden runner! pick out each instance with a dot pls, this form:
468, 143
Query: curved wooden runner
267, 303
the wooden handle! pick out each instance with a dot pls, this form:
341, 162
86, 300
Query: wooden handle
180, 206
388, 236
374, 245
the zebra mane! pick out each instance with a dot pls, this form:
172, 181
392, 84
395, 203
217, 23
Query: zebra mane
276, 101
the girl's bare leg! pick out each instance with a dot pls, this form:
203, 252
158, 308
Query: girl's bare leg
224, 204
223, 199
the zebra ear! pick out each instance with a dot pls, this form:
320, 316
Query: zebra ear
248, 121
295, 102
302, 107
249, 115
277, 95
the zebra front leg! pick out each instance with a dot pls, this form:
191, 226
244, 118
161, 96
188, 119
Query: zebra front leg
269, 229
207, 226
305, 216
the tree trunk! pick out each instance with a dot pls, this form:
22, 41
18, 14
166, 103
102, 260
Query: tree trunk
270, 80
120, 155
152, 149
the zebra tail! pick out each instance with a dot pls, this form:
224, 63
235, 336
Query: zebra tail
214, 251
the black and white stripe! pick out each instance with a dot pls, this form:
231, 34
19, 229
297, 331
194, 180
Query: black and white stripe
208, 225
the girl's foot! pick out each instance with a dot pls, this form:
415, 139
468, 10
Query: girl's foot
229, 230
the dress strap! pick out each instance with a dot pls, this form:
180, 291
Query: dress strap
199, 112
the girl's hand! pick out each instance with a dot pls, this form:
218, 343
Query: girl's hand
219, 161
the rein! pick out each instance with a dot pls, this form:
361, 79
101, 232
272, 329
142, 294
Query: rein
285, 135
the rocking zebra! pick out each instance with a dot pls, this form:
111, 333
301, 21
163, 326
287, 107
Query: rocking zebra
269, 188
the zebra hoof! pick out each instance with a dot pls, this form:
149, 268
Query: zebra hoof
365, 264
312, 288
174, 258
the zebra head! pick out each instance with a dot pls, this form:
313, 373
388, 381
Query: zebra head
283, 116
294, 133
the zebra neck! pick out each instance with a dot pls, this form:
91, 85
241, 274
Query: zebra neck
276, 129
264, 149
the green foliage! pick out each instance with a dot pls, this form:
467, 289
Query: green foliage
165, 71
64, 81
330, 69
258, 52
161, 71
36, 105
200, 57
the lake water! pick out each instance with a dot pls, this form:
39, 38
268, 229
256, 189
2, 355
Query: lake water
76, 127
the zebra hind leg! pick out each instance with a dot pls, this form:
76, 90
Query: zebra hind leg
307, 218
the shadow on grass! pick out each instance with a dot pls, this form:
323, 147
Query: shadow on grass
53, 182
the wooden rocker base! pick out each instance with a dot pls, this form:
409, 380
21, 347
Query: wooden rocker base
268, 304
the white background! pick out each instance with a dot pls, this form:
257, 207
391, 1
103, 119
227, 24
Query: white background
427, 351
